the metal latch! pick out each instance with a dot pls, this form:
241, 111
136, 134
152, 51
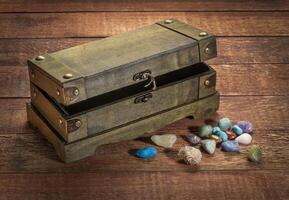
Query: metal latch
143, 98
144, 76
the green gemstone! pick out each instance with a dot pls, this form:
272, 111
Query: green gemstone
254, 153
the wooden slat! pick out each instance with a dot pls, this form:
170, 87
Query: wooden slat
14, 81
236, 79
142, 5
233, 185
231, 50
266, 110
20, 151
97, 25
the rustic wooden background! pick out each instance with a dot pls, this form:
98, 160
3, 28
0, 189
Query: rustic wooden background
253, 79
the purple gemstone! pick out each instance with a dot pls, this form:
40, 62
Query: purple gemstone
246, 126
193, 139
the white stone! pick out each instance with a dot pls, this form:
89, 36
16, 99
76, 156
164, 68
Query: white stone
166, 140
245, 138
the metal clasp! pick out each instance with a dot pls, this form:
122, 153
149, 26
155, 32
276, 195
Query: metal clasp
146, 75
143, 99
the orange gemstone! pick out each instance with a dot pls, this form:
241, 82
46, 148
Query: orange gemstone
231, 135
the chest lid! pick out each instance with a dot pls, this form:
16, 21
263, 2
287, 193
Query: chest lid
79, 73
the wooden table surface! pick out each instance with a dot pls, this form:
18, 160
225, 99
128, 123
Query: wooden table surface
253, 79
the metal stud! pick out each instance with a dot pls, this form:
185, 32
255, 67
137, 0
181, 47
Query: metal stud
40, 58
203, 34
57, 92
76, 92
67, 76
78, 123
168, 21
207, 50
60, 121
32, 74
207, 83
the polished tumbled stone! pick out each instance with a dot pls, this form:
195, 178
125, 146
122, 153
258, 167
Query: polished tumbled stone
205, 131
246, 126
244, 139
209, 146
225, 124
231, 146
146, 152
193, 139
166, 140
254, 153
237, 130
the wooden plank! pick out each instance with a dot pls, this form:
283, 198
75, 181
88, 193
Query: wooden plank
87, 24
15, 80
31, 153
148, 5
259, 185
250, 79
231, 50
270, 113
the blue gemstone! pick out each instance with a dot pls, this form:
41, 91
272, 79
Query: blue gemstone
225, 124
222, 135
146, 152
216, 129
231, 146
236, 129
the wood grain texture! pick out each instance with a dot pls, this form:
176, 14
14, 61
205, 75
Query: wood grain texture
264, 79
142, 5
28, 148
89, 24
14, 52
243, 185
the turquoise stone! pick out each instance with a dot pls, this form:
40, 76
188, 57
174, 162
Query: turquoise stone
216, 129
146, 152
221, 134
236, 129
231, 146
209, 146
205, 131
225, 124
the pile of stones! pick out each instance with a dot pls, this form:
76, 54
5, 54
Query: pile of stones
226, 135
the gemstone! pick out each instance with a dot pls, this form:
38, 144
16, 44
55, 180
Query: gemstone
231, 146
246, 126
146, 152
216, 129
193, 139
209, 146
225, 124
231, 135
236, 129
216, 138
205, 131
190, 155
245, 138
166, 140
254, 153
222, 135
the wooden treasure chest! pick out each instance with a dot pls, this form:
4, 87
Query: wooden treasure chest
122, 86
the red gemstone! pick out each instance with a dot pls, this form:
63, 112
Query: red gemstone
231, 135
